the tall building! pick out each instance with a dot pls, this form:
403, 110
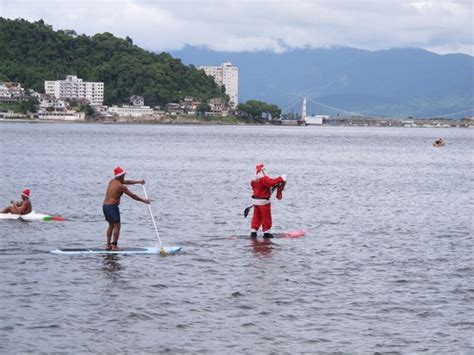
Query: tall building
74, 88
227, 75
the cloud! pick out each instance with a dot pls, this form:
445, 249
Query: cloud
440, 25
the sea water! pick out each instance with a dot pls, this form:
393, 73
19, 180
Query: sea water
386, 263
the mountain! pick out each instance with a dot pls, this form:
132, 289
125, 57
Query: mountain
31, 53
388, 83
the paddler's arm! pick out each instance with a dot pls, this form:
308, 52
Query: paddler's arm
15, 208
24, 208
269, 182
135, 197
134, 182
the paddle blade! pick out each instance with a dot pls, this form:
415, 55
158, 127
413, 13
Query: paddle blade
246, 211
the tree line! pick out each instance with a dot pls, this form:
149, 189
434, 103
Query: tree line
32, 52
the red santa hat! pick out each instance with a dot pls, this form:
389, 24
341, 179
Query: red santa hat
26, 193
118, 171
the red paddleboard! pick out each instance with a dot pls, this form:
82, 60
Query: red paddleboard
285, 235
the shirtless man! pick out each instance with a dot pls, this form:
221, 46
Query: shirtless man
23, 207
115, 190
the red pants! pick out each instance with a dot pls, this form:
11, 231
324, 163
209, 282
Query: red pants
262, 216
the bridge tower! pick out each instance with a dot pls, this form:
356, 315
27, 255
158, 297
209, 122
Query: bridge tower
303, 110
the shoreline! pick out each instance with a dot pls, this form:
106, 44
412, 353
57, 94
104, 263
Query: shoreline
183, 121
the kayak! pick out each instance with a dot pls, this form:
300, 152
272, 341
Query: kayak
439, 144
146, 250
33, 216
284, 235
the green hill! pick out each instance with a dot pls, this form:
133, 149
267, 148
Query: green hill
31, 53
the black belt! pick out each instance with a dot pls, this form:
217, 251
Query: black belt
260, 198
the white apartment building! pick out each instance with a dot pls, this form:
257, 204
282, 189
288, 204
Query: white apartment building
131, 111
227, 75
74, 88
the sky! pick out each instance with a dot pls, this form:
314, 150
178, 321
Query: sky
441, 26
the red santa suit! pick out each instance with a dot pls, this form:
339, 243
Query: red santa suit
262, 191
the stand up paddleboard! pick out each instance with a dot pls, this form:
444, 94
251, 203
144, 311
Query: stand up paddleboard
149, 250
33, 216
284, 235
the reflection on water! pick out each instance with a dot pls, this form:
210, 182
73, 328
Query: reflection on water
112, 267
261, 247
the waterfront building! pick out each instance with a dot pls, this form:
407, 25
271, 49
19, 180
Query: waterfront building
130, 111
175, 108
311, 120
217, 106
227, 75
49, 102
11, 92
74, 88
65, 115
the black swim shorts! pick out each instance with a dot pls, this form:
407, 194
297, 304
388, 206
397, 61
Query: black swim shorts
111, 213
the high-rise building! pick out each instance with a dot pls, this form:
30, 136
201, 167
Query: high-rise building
74, 88
227, 75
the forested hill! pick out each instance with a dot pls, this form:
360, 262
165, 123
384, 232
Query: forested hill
31, 53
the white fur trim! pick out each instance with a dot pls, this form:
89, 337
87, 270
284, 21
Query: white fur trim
259, 202
260, 175
122, 173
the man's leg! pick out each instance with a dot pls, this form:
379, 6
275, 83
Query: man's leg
110, 230
267, 221
116, 236
256, 221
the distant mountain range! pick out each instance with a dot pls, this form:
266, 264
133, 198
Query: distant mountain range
388, 83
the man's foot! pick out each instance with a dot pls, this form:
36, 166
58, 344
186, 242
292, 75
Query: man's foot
253, 235
115, 248
108, 246
267, 235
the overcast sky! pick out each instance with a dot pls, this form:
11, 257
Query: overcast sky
442, 26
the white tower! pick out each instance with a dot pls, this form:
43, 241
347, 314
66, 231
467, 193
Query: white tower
303, 110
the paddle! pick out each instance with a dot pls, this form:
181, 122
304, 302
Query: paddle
247, 210
162, 250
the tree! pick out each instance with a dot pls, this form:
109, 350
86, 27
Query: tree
203, 107
29, 105
254, 109
31, 53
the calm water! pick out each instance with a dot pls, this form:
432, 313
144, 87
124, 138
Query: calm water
386, 264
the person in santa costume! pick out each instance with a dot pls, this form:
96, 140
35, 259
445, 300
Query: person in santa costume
22, 207
115, 190
262, 187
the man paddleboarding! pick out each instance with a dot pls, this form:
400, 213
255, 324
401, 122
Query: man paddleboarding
115, 190
23, 207
262, 186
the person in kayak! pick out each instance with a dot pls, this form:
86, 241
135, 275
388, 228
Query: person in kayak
21, 208
115, 190
262, 186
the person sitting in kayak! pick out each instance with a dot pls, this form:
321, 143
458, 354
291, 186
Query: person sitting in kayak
21, 208
115, 190
262, 186
439, 141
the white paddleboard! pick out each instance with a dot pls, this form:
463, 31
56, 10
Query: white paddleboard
33, 216
147, 250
